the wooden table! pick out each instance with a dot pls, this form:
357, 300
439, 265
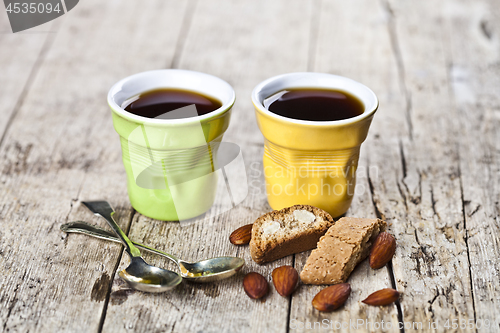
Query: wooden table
430, 166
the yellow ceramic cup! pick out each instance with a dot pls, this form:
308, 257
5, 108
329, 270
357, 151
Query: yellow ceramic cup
312, 162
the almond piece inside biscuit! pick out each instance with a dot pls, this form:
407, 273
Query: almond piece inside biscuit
270, 227
304, 216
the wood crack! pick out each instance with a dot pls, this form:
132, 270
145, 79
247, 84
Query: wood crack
13, 303
31, 78
396, 49
475, 210
416, 257
403, 158
183, 32
451, 96
378, 213
403, 196
290, 302
433, 203
173, 305
403, 167
113, 274
466, 238
392, 276
431, 302
486, 29
313, 35
417, 199
406, 195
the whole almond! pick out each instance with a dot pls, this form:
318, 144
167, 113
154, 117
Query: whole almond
382, 297
332, 298
255, 285
382, 250
285, 279
242, 235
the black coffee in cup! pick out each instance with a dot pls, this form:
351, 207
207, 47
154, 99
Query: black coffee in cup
314, 104
160, 103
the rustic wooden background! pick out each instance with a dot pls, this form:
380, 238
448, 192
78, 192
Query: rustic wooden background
430, 166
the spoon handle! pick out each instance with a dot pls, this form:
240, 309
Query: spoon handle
94, 231
104, 209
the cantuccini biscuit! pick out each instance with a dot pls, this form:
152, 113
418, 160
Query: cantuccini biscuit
343, 246
280, 233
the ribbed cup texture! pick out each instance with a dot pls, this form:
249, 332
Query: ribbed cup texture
328, 160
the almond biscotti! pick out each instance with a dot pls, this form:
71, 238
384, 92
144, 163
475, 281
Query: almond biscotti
280, 233
343, 246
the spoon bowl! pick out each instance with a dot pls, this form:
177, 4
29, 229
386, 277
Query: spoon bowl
144, 277
210, 270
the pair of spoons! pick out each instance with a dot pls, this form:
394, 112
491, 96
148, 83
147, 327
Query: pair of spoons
139, 274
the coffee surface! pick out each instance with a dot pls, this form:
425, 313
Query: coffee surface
314, 104
171, 104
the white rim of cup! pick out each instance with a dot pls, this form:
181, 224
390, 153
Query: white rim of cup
117, 87
295, 80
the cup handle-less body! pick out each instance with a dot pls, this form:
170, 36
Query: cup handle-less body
303, 158
157, 152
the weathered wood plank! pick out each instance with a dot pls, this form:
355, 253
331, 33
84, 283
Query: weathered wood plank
61, 148
356, 46
431, 160
473, 30
243, 44
21, 57
418, 188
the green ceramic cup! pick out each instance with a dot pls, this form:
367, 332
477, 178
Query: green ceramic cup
169, 162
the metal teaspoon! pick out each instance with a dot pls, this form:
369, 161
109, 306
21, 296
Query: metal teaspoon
139, 274
208, 270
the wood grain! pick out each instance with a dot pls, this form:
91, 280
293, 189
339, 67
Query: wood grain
412, 156
61, 148
25, 56
474, 77
430, 166
367, 58
431, 266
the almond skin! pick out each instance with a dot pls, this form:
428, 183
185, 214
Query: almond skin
242, 235
332, 298
285, 279
382, 250
382, 297
255, 285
